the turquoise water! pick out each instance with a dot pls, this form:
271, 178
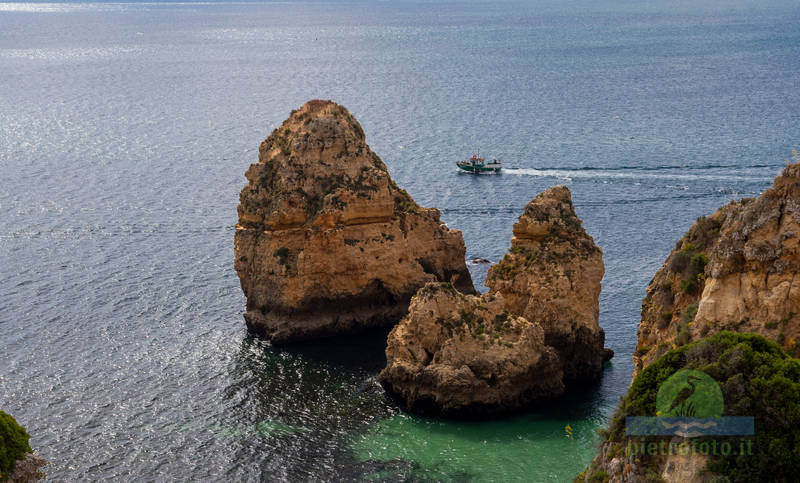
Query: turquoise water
548, 445
125, 130
530, 447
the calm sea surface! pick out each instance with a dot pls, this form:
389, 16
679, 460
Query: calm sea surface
125, 130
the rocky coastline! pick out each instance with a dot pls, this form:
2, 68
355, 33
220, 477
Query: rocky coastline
328, 244
736, 269
726, 302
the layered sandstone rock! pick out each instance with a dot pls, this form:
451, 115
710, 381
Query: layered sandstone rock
326, 242
734, 270
517, 345
461, 355
551, 276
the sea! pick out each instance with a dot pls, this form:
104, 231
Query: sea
125, 131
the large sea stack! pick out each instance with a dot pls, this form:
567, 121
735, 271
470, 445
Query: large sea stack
326, 242
518, 345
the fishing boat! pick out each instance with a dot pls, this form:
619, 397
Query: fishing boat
476, 164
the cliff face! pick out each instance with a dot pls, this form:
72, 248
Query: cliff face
326, 242
517, 345
734, 270
461, 355
551, 276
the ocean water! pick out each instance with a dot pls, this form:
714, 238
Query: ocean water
125, 130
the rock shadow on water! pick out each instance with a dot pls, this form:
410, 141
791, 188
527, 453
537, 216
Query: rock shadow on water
361, 352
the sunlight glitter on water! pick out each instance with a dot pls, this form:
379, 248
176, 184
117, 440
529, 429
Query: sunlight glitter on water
125, 130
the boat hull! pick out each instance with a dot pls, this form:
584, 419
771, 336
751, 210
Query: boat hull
480, 169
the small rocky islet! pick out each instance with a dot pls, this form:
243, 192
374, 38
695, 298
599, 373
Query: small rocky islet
328, 244
524, 341
465, 356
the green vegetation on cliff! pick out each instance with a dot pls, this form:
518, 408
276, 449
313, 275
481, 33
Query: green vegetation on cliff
756, 378
13, 444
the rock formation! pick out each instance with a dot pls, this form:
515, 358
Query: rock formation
738, 270
461, 355
28, 469
552, 276
18, 464
518, 344
756, 379
326, 242
735, 270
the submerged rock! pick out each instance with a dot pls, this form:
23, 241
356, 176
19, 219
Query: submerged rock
464, 356
552, 276
517, 345
326, 242
737, 269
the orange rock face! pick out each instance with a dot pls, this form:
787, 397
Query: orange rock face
552, 276
737, 269
518, 345
326, 242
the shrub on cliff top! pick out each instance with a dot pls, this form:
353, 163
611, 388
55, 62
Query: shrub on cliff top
691, 263
13, 444
756, 378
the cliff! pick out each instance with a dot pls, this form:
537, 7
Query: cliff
520, 343
552, 276
733, 272
326, 242
754, 378
736, 269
